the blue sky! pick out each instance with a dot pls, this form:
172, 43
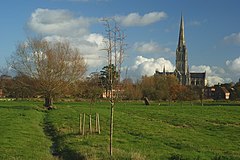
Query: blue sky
212, 32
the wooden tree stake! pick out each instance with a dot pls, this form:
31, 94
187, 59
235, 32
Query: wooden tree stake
83, 126
80, 123
90, 124
98, 124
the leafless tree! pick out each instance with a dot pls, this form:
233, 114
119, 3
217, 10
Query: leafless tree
52, 66
114, 41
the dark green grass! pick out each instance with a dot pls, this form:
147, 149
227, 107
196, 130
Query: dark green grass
21, 132
154, 132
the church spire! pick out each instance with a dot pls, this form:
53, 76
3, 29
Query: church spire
181, 41
182, 57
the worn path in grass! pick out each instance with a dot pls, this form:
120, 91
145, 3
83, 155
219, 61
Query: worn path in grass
22, 134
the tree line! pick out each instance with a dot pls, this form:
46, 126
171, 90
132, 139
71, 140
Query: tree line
52, 85
54, 70
158, 88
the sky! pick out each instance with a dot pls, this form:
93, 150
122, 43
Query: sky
212, 32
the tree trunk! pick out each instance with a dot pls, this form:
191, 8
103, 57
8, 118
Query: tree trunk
169, 102
48, 102
146, 101
111, 127
106, 91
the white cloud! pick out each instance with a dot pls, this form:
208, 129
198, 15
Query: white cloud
151, 47
234, 65
134, 19
90, 47
212, 80
61, 25
148, 66
201, 68
58, 22
234, 38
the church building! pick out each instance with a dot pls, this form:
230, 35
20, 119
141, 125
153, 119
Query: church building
184, 76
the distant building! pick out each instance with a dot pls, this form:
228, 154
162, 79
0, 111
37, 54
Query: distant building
219, 92
182, 69
209, 92
224, 93
118, 92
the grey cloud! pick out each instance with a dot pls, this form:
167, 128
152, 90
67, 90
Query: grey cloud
233, 38
134, 19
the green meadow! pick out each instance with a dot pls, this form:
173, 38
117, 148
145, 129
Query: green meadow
179, 131
21, 132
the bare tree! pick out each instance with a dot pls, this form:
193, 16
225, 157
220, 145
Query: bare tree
53, 66
114, 41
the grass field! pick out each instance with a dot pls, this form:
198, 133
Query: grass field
21, 132
140, 132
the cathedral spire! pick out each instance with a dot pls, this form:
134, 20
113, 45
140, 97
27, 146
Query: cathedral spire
182, 57
181, 41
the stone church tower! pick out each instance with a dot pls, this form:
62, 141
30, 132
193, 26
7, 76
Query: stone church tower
182, 69
184, 76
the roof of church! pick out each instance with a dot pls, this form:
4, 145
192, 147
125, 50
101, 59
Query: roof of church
164, 73
198, 75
